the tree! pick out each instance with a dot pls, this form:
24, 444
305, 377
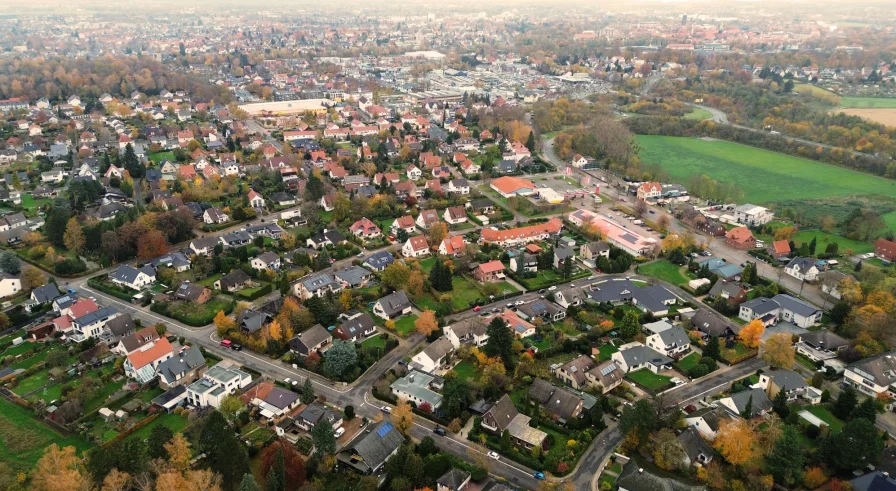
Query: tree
779, 351
854, 447
736, 441
567, 268
152, 244
231, 406
402, 417
866, 410
74, 236
322, 437
455, 396
341, 358
59, 469
630, 325
56, 221
223, 323
845, 404
500, 341
426, 324
415, 284
751, 335
179, 454
225, 454
248, 483
779, 404
9, 263
530, 142
395, 276
785, 462
276, 478
712, 350
640, 420
307, 395
815, 477
158, 438
667, 450
440, 277
116, 481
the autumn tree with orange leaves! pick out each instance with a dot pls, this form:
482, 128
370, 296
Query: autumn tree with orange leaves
426, 324
751, 335
152, 244
736, 441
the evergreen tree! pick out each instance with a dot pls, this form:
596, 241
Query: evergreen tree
248, 483
866, 410
276, 478
530, 142
846, 403
747, 413
307, 395
132, 163
858, 267
785, 461
812, 245
779, 405
712, 350
224, 452
500, 341
567, 268
314, 188
630, 325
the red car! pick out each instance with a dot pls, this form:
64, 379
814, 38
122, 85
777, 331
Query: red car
477, 308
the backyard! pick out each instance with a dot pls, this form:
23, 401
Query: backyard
651, 381
825, 415
606, 351
688, 362
466, 371
24, 438
663, 270
405, 325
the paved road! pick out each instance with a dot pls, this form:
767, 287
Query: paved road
253, 125
713, 384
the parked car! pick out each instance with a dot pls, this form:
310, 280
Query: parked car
538, 475
287, 381
386, 409
439, 431
236, 347
477, 308
339, 432
494, 455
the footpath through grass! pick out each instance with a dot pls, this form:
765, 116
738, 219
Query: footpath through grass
764, 176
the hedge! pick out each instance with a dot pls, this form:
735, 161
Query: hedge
266, 289
105, 287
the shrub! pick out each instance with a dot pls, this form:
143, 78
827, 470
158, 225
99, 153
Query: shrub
70, 267
698, 371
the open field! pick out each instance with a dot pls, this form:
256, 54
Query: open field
822, 240
867, 102
698, 114
885, 116
663, 270
23, 438
764, 176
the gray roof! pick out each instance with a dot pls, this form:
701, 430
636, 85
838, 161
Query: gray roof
316, 282
188, 359
46, 293
801, 263
128, 274
760, 403
713, 416
235, 277
281, 398
763, 306
675, 335
438, 349
314, 412
503, 412
235, 238
268, 257
174, 259
395, 302
379, 442
731, 288
637, 478
357, 325
353, 275
311, 338
561, 253
713, 324
823, 339
417, 384
252, 320
881, 368
694, 445
833, 277
650, 297
121, 325
874, 481
556, 400
204, 243
638, 355
453, 479
787, 379
379, 260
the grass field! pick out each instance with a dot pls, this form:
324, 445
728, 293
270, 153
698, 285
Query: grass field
158, 157
374, 342
174, 422
649, 380
868, 102
23, 438
663, 270
465, 370
822, 240
764, 176
698, 114
29, 203
405, 325
687, 362
825, 415
606, 351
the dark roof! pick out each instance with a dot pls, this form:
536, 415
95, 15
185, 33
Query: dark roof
554, 399
395, 302
823, 339
760, 401
377, 444
311, 338
379, 260
46, 293
503, 412
121, 325
712, 324
189, 291
358, 325
188, 359
694, 445
252, 320
453, 479
281, 398
233, 278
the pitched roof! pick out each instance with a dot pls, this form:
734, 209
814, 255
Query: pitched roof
503, 412
759, 402
184, 361
149, 353
552, 226
379, 441
739, 234
312, 337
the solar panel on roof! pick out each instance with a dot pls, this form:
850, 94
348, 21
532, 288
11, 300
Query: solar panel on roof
384, 430
607, 369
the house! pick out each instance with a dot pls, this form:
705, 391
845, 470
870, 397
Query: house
416, 387
268, 260
470, 331
272, 402
649, 191
356, 328
133, 278
655, 299
508, 186
132, 342
353, 276
873, 481
781, 307
802, 268
379, 261
521, 235
54, 176
233, 281
368, 453
324, 239
529, 261
455, 215
413, 172
433, 357
176, 260
365, 229
518, 326
9, 285
731, 291
316, 285
453, 480
792, 383
503, 415
755, 399
740, 238
427, 219
255, 199
91, 325
393, 305
193, 292
458, 186
820, 345
569, 296
251, 321
235, 239
561, 254
874, 376
204, 246
608, 375
708, 420
215, 216
453, 246
542, 308
672, 342
696, 450
779, 249
142, 364
44, 294
415, 247
831, 281
315, 340
316, 412
595, 250
711, 324
573, 372
885, 249
405, 223
752, 215
559, 402
635, 356
181, 369
489, 272
117, 329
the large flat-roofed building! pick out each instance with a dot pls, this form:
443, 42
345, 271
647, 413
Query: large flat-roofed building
624, 238
301, 106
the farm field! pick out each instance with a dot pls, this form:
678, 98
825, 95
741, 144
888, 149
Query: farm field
764, 176
885, 116
848, 102
823, 239
23, 438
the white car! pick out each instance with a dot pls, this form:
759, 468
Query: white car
386, 409
339, 432
552, 288
494, 455
295, 383
287, 381
519, 302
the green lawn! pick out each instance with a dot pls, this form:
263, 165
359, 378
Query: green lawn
764, 176
374, 342
405, 325
663, 270
687, 362
867, 103
464, 292
29, 203
174, 422
806, 362
23, 438
606, 351
890, 220
18, 350
825, 415
427, 264
823, 239
649, 380
465, 370
158, 157
736, 352
698, 114
32, 383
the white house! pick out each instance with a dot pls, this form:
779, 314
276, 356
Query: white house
415, 247
636, 356
472, 331
217, 383
394, 305
781, 307
142, 364
455, 215
9, 285
874, 376
255, 199
133, 278
413, 172
802, 268
433, 356
215, 215
753, 215
268, 260
672, 342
